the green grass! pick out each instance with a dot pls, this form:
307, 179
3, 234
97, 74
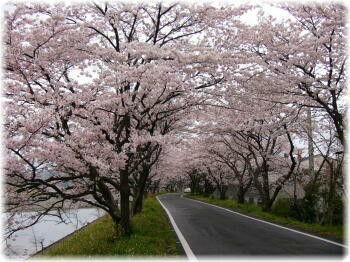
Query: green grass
335, 232
152, 236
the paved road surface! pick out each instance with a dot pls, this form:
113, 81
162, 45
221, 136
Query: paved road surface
209, 230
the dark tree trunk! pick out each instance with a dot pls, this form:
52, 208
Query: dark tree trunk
142, 183
115, 217
222, 190
208, 188
262, 187
242, 190
124, 203
195, 180
240, 199
192, 188
240, 193
222, 195
138, 201
265, 198
266, 186
330, 196
106, 197
272, 199
124, 184
266, 207
138, 205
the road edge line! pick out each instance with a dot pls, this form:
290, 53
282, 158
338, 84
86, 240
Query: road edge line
182, 239
273, 224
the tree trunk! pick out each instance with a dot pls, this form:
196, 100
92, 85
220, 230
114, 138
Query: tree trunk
271, 199
330, 198
240, 197
208, 188
222, 195
138, 201
240, 193
124, 203
115, 217
107, 197
222, 190
242, 190
138, 204
266, 203
266, 206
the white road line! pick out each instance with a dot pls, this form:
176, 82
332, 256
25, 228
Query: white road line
269, 223
182, 239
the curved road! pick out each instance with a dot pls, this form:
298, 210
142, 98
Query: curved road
210, 230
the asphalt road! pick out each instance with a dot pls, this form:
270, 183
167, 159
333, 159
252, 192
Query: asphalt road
209, 230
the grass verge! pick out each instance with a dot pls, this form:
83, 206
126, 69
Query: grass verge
152, 236
328, 231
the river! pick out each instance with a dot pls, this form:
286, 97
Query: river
48, 230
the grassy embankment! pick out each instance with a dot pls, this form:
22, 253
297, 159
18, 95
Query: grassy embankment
152, 236
327, 231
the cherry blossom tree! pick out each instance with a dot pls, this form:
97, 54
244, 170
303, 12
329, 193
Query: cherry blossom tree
91, 90
230, 154
304, 58
252, 149
301, 63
